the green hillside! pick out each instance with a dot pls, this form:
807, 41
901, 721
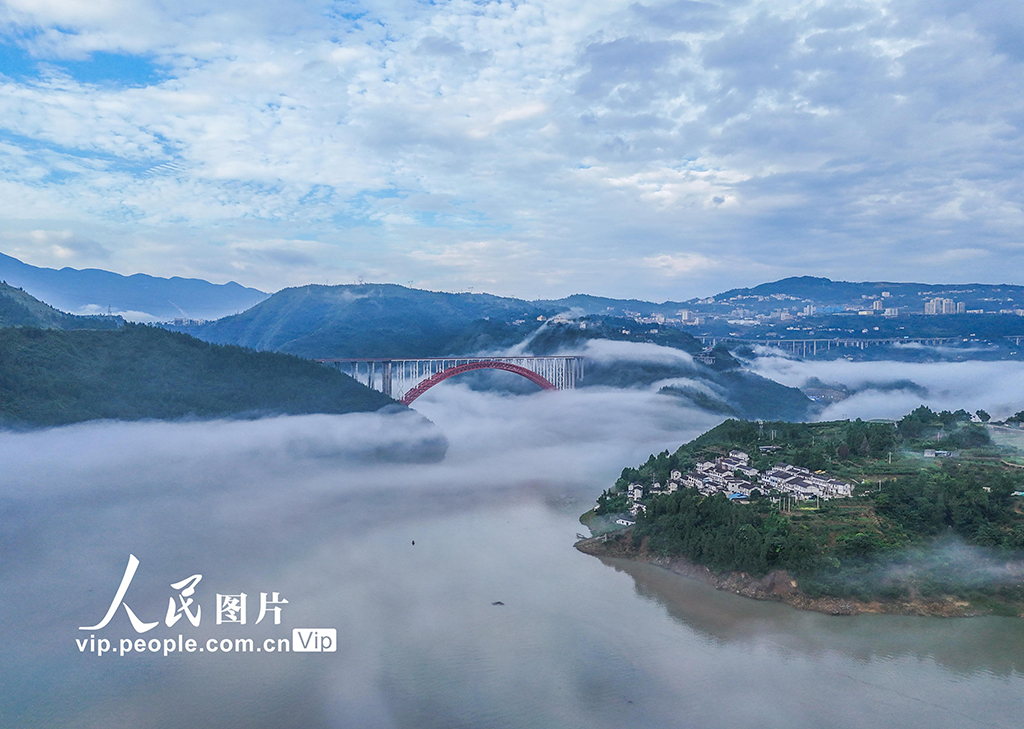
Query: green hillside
375, 320
53, 377
19, 309
896, 538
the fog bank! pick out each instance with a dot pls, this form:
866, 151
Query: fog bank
997, 387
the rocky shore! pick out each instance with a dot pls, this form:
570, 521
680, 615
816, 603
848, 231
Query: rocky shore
777, 586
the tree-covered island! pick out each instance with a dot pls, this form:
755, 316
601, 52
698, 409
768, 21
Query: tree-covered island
922, 515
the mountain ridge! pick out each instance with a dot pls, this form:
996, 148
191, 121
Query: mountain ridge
20, 309
138, 296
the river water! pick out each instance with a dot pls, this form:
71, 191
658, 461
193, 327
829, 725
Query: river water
289, 505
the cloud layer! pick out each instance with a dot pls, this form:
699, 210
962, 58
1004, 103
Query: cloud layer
659, 150
892, 389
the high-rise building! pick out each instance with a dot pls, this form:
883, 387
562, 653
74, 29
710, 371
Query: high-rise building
944, 306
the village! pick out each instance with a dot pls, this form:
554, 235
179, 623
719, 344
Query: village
733, 476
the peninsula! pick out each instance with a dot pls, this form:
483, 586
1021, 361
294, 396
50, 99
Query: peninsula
920, 516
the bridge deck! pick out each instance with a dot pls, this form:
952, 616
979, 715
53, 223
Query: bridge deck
400, 376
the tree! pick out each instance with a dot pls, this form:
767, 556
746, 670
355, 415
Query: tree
983, 416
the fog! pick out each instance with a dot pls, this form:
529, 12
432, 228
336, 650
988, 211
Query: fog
576, 436
607, 351
997, 387
406, 558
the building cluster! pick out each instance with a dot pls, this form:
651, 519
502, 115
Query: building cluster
802, 484
733, 476
189, 322
944, 306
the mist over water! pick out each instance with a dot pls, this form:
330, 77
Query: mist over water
995, 386
304, 506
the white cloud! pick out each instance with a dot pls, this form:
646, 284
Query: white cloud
680, 263
782, 138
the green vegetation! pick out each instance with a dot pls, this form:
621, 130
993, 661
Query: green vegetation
916, 527
19, 309
54, 377
375, 320
564, 335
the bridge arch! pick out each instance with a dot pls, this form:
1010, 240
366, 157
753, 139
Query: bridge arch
468, 367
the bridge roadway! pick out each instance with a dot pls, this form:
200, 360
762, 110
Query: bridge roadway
810, 346
406, 378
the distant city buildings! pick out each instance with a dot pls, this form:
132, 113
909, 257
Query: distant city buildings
944, 306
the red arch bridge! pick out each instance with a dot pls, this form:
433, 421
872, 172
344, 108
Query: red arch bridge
407, 379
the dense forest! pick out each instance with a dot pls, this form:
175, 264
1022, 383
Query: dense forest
886, 541
52, 377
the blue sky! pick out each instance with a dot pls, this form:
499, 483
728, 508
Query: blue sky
656, 150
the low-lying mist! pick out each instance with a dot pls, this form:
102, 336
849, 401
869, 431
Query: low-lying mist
407, 557
891, 389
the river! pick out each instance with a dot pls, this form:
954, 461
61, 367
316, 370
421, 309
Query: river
405, 561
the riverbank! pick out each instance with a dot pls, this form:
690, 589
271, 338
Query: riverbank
777, 586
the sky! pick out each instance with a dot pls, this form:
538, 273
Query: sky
659, 150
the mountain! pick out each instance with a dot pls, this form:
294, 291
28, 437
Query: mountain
52, 377
825, 292
19, 309
376, 320
385, 320
138, 297
585, 304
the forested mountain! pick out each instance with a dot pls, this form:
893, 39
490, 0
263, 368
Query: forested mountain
376, 320
54, 377
384, 320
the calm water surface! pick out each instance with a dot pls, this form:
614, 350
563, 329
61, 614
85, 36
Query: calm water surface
578, 642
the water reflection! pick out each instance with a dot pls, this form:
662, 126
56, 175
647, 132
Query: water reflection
989, 645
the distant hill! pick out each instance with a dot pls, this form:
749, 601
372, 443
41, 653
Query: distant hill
384, 320
376, 320
583, 304
53, 377
137, 297
19, 309
824, 291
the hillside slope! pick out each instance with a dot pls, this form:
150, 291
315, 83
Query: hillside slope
375, 320
54, 377
19, 309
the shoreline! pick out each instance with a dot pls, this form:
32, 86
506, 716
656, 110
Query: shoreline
777, 586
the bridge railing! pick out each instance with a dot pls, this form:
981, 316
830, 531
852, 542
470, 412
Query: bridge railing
812, 346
